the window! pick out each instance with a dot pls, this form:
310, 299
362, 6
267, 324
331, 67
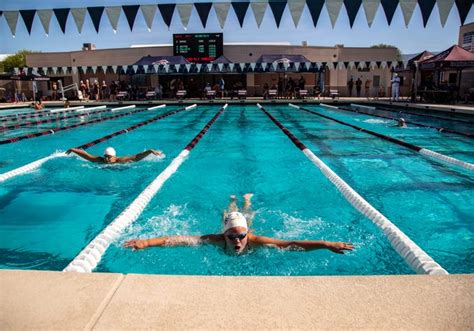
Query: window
376, 81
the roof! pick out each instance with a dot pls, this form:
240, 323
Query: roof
454, 56
222, 59
150, 60
282, 58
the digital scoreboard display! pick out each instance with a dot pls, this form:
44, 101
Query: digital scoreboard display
198, 47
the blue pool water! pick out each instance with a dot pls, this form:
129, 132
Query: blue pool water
49, 215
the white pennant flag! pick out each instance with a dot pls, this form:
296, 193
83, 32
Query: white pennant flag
351, 65
444, 7
45, 18
209, 66
297, 66
296, 9
198, 66
307, 65
12, 19
79, 15
361, 65
166, 67
84, 69
319, 65
220, 65
74, 70
330, 65
114, 69
148, 12
231, 66
383, 65
55, 70
113, 13
334, 8
407, 6
64, 69
221, 9
188, 66
340, 65
259, 9
184, 11
373, 65
370, 8
104, 69
274, 66
94, 69
34, 71
147, 68
242, 66
135, 68
252, 65
155, 66
286, 65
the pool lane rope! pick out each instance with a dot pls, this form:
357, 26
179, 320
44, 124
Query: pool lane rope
465, 134
58, 119
36, 164
43, 113
413, 255
54, 130
90, 256
423, 151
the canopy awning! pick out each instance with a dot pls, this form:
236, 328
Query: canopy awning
282, 58
454, 57
151, 60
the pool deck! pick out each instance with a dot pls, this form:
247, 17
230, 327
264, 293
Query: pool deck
105, 301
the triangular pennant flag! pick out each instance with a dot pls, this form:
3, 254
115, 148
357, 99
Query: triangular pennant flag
84, 69
28, 16
296, 8
203, 9
356, 64
114, 69
277, 8
188, 66
1, 12
61, 15
352, 7
252, 66
167, 11
297, 66
34, 70
242, 66
373, 65
389, 7
378, 63
351, 65
166, 67
463, 8
198, 66
383, 64
74, 70
307, 65
45, 18
389, 64
113, 13
370, 8
155, 67
286, 65
209, 66
444, 7
334, 8
319, 65
147, 67
55, 70
367, 64
64, 70
231, 66
96, 14
405, 64
94, 69
361, 65
315, 7
220, 66
240, 9
184, 11
222, 9
407, 6
78, 14
339, 65
135, 68
131, 13
104, 69
426, 7
148, 12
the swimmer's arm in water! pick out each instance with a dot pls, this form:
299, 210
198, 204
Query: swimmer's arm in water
139, 156
173, 241
84, 155
307, 245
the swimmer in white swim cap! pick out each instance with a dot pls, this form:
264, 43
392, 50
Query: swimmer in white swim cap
110, 155
236, 237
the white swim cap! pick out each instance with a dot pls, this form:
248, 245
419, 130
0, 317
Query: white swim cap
233, 220
402, 119
110, 151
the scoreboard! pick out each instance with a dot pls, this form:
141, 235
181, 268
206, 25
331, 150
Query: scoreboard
198, 47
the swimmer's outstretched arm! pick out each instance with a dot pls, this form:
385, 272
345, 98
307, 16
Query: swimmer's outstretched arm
172, 241
84, 155
307, 245
139, 156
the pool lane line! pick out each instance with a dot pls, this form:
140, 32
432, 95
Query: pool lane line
90, 256
52, 131
36, 164
413, 255
382, 108
54, 111
43, 113
421, 150
465, 134
56, 119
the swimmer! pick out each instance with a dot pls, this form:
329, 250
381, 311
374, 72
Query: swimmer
38, 105
236, 237
110, 156
402, 123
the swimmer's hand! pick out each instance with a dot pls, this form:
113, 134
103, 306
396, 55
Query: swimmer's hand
136, 244
339, 247
69, 151
156, 152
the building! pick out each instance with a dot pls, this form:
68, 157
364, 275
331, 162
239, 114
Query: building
466, 37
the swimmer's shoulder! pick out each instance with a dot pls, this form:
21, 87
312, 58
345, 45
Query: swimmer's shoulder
212, 238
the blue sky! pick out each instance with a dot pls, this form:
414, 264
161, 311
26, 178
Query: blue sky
413, 39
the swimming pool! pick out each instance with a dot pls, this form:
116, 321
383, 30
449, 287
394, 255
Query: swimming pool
48, 216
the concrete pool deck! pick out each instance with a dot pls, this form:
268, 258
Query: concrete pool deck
100, 301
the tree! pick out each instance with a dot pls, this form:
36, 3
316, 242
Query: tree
399, 54
17, 60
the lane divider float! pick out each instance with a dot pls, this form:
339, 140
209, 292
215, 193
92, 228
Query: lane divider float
44, 113
413, 255
52, 111
36, 164
91, 255
421, 150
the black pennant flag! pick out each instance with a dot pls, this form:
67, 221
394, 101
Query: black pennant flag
463, 8
61, 15
203, 9
28, 17
389, 7
240, 9
1, 12
352, 7
277, 8
167, 11
426, 7
315, 7
131, 13
96, 14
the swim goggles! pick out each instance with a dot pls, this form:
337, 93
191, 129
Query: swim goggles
239, 236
